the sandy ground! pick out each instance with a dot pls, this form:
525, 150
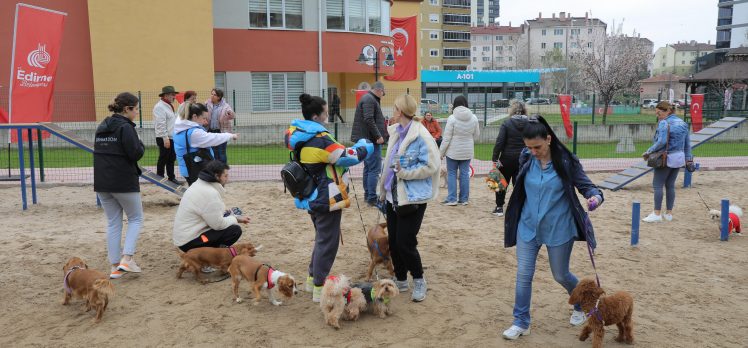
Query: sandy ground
690, 289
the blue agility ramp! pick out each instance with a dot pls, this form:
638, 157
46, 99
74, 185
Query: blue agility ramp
617, 181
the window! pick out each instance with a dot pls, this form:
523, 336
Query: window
574, 45
575, 31
500, 59
276, 91
693, 54
374, 12
434, 3
456, 53
693, 62
499, 49
475, 59
542, 32
510, 59
682, 62
456, 19
434, 67
486, 48
663, 65
220, 79
486, 59
589, 45
500, 38
335, 15
509, 48
434, 35
434, 18
354, 15
455, 36
486, 38
434, 52
542, 45
475, 48
558, 45
275, 14
589, 30
558, 32
356, 19
456, 3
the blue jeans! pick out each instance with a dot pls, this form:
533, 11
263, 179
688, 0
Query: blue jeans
220, 152
452, 167
372, 169
114, 204
527, 255
664, 177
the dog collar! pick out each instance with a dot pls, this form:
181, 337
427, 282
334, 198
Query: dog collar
596, 312
347, 295
65, 283
232, 250
270, 278
373, 295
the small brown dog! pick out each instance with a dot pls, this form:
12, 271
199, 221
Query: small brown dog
261, 276
340, 300
379, 249
195, 259
602, 310
91, 285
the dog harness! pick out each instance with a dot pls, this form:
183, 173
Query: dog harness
65, 283
376, 246
596, 312
346, 291
232, 250
269, 275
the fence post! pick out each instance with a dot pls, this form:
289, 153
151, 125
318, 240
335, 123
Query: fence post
485, 108
233, 99
574, 139
336, 130
41, 154
593, 108
140, 109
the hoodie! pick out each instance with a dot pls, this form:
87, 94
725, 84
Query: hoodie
460, 134
199, 138
117, 149
509, 142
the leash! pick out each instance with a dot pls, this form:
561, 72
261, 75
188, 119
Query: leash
703, 201
360, 215
588, 227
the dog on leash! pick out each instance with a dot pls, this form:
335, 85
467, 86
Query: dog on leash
261, 276
91, 285
195, 259
340, 300
378, 243
734, 221
603, 310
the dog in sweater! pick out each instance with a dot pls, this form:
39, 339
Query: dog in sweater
734, 221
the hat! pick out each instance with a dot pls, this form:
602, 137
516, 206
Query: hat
166, 90
378, 85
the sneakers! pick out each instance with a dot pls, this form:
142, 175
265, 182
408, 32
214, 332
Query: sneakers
419, 289
116, 273
498, 211
449, 204
514, 332
462, 203
317, 294
309, 285
207, 269
668, 217
129, 266
577, 318
402, 286
652, 217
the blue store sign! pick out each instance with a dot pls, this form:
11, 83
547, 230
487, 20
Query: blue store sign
529, 76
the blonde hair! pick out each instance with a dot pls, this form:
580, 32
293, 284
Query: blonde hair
665, 106
184, 110
517, 107
407, 106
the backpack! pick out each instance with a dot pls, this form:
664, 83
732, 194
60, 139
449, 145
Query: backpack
296, 178
195, 161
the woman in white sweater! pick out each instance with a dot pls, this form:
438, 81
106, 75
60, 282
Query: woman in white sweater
458, 146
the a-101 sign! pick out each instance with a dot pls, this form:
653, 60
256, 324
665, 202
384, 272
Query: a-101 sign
465, 76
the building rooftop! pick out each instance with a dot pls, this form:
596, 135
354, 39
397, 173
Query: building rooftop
692, 46
662, 78
497, 29
565, 19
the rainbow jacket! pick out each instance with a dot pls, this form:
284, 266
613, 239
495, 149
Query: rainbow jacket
327, 161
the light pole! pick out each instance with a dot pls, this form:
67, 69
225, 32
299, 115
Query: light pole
363, 58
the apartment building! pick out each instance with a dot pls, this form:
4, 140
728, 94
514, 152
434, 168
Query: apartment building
562, 34
680, 58
732, 26
445, 34
495, 47
484, 12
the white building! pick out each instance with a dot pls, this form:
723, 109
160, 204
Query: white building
495, 47
564, 33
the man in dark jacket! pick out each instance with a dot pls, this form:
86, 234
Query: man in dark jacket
368, 123
509, 145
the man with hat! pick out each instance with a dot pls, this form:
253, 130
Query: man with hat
164, 117
368, 123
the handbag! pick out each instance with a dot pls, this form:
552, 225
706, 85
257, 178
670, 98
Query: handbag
195, 161
659, 159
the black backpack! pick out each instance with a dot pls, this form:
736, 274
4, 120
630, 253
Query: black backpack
296, 178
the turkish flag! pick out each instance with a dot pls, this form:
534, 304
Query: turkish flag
564, 101
38, 39
404, 34
3, 116
697, 104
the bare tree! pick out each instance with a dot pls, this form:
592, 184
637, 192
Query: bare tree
613, 64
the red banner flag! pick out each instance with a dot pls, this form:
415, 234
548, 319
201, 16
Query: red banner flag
404, 34
564, 101
697, 104
36, 50
3, 116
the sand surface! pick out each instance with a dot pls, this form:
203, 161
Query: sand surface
690, 289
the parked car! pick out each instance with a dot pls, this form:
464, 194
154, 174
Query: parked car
538, 101
500, 103
649, 103
679, 103
429, 105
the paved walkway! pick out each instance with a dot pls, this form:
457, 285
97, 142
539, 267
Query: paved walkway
272, 172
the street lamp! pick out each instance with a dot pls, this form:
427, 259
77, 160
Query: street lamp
370, 55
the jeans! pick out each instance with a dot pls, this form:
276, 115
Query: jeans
220, 152
527, 255
452, 167
372, 169
664, 177
166, 158
215, 238
113, 204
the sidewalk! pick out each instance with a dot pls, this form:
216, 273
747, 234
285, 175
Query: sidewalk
84, 175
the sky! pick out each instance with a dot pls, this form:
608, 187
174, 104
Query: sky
662, 21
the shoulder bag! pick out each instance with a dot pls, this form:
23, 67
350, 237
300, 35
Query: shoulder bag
659, 159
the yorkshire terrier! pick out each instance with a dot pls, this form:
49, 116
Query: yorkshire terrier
340, 300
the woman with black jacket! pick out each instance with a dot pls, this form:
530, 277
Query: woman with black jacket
509, 146
117, 149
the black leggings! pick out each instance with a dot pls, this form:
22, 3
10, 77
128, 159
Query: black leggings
403, 231
166, 158
509, 169
215, 239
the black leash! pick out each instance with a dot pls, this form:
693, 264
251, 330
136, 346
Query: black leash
703, 201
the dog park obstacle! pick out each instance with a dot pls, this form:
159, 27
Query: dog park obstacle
72, 138
635, 214
724, 234
617, 181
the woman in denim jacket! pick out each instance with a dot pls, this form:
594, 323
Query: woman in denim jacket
678, 153
411, 178
544, 209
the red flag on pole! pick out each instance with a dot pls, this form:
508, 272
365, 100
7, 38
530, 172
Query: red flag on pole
697, 104
3, 116
37, 40
404, 33
564, 101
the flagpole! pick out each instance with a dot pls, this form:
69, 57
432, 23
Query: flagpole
10, 86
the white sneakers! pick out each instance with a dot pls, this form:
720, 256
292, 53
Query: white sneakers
514, 332
577, 318
668, 217
652, 217
128, 266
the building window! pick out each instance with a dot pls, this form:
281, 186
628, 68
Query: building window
374, 12
356, 15
434, 3
475, 59
475, 48
276, 91
455, 36
589, 30
335, 15
682, 62
486, 59
434, 67
558, 32
456, 53
486, 48
456, 3
361, 15
693, 62
456, 19
510, 58
574, 45
486, 38
509, 48
575, 31
542, 45
220, 79
500, 38
663, 65
589, 45
434, 35
558, 45
434, 52
275, 14
434, 18
500, 59
542, 32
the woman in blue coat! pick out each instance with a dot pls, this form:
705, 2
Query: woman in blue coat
544, 209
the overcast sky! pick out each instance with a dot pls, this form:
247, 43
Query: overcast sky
662, 21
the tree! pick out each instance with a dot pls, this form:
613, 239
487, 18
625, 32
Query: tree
613, 64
